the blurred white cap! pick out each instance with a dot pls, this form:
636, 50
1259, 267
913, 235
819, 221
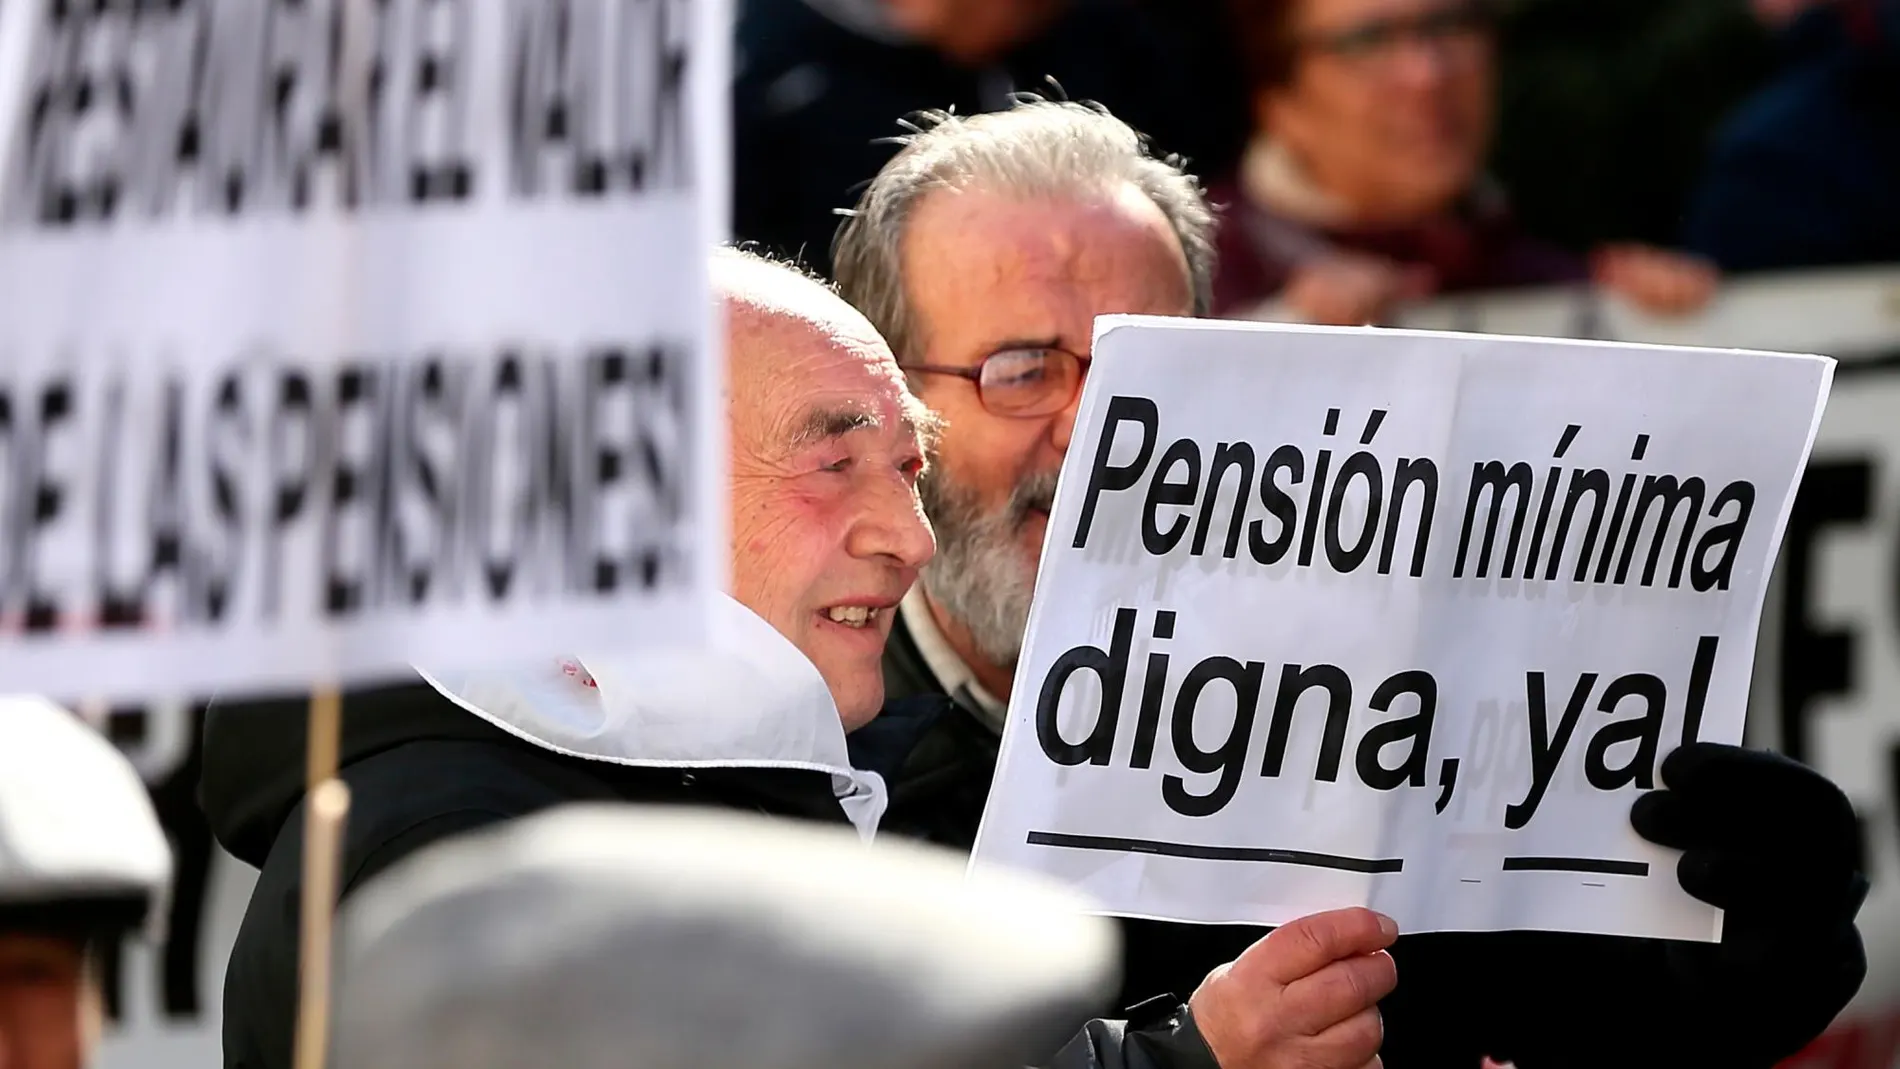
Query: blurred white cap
77, 828
611, 936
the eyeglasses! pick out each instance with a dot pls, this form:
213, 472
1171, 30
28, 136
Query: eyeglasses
1021, 383
1453, 29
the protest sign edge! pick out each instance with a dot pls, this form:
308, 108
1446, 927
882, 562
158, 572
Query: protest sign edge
1109, 323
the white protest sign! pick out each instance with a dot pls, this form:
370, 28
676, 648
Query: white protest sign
337, 335
1390, 618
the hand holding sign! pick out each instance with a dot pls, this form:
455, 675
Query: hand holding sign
1305, 996
1761, 834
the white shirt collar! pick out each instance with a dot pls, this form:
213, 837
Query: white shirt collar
952, 673
746, 699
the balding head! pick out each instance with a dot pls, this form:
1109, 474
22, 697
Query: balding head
827, 443
757, 286
777, 315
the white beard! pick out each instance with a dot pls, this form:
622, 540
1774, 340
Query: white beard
980, 575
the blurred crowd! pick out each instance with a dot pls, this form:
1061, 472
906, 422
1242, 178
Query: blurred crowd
1364, 153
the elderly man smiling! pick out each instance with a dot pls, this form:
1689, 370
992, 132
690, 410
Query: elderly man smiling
828, 534
826, 446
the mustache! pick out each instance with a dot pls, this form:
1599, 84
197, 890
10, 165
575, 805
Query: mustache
1034, 494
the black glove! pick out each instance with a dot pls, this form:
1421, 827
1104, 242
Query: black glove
1775, 845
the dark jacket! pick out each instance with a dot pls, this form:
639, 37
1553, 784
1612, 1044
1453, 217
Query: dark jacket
1545, 999
812, 99
1804, 174
420, 769
1606, 109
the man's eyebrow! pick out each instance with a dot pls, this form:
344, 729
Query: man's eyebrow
825, 424
1050, 342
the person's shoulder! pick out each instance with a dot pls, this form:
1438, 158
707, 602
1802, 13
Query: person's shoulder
500, 773
254, 760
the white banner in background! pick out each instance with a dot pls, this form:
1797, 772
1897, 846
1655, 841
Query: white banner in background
1392, 618
340, 335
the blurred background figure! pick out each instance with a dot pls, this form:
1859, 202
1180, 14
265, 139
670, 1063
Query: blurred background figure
1606, 109
592, 937
820, 83
1807, 174
1364, 186
82, 863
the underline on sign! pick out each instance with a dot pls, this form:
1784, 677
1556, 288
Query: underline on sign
1576, 864
1216, 853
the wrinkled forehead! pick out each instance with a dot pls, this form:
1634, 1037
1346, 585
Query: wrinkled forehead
800, 376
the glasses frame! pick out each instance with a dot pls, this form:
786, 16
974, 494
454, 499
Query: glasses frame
1365, 42
974, 375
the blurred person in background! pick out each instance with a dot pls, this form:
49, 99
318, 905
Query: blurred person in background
984, 253
820, 83
1607, 109
1807, 173
83, 863
1363, 185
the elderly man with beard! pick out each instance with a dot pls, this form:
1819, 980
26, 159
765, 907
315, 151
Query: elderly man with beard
983, 253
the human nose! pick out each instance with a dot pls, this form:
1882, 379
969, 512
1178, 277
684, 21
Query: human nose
891, 524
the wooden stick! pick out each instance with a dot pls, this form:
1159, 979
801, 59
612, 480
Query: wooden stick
329, 808
326, 807
326, 720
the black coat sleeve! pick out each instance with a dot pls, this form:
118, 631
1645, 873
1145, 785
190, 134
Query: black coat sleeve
401, 801
1172, 1043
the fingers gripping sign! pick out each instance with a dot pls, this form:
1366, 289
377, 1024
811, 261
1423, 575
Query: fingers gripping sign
1305, 996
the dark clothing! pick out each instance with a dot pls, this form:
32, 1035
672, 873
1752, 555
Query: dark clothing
1479, 247
812, 97
1607, 108
420, 769
1551, 1000
1804, 175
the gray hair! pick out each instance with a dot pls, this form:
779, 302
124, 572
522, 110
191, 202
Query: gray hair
1037, 147
735, 264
